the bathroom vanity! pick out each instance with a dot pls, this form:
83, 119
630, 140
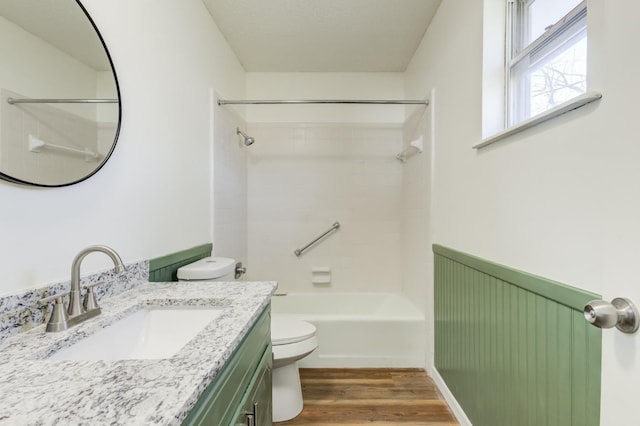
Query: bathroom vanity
241, 393
221, 376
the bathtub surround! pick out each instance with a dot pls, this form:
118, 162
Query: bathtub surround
417, 262
313, 165
229, 194
22, 311
304, 177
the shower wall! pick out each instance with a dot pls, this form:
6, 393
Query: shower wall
305, 176
314, 164
417, 259
229, 183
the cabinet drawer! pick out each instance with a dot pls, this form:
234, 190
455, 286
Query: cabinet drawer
219, 402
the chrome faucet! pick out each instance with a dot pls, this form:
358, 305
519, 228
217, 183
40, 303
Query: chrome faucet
75, 308
76, 311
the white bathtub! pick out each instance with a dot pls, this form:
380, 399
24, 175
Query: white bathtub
359, 330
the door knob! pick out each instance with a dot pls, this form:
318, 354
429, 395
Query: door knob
620, 313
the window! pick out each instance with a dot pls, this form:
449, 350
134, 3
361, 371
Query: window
546, 55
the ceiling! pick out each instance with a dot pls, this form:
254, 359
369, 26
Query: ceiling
62, 24
267, 35
323, 35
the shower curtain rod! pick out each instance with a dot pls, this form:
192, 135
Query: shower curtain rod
61, 101
324, 101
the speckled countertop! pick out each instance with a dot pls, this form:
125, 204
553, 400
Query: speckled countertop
38, 391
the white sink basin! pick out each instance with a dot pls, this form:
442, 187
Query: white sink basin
150, 333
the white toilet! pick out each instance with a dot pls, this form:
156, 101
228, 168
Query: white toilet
291, 340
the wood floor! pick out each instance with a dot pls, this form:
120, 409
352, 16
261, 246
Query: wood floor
370, 397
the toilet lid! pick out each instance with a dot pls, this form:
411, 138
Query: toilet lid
208, 268
285, 331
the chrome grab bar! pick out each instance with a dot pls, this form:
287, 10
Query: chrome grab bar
299, 251
324, 101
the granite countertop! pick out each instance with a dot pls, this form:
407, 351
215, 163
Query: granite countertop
38, 391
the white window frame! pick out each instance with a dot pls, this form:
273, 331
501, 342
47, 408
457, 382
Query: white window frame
518, 55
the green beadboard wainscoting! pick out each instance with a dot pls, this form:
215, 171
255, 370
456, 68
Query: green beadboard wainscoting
514, 348
165, 268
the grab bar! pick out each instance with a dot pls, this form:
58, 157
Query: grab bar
299, 251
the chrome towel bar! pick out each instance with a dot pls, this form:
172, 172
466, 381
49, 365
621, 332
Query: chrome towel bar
299, 251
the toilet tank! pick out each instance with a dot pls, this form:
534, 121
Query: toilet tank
208, 269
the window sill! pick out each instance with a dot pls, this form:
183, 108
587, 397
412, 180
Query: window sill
575, 103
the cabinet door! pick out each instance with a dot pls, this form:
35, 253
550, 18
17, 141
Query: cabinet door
218, 405
256, 408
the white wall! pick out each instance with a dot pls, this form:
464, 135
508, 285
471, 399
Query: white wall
153, 196
559, 200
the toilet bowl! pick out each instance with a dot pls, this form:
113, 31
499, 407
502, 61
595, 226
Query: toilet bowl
291, 340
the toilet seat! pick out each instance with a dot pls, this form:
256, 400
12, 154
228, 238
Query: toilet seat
288, 331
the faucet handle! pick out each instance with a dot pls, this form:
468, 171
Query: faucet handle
58, 298
90, 302
59, 317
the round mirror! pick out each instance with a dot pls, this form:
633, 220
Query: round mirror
59, 96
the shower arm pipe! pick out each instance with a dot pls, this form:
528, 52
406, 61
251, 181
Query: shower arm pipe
325, 101
299, 251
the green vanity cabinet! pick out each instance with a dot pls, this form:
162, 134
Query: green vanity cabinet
256, 407
242, 386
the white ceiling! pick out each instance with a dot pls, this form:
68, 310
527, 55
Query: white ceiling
62, 24
323, 35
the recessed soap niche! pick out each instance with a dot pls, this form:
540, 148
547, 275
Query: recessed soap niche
321, 275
